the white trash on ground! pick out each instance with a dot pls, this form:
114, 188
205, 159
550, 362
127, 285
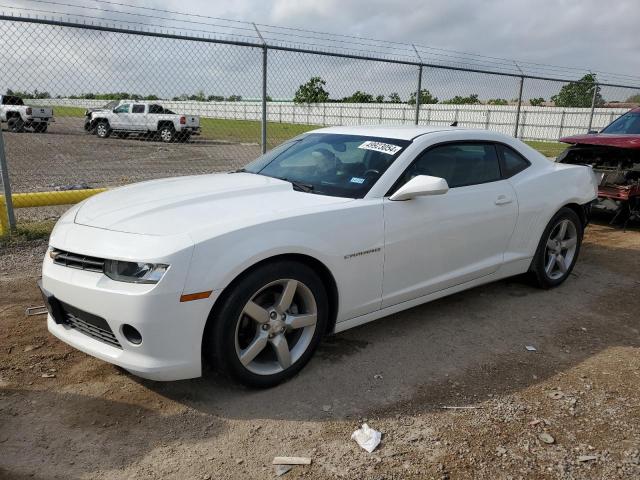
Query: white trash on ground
367, 437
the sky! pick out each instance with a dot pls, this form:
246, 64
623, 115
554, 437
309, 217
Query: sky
580, 33
586, 34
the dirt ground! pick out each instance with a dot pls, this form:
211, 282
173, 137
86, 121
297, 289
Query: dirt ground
66, 415
66, 157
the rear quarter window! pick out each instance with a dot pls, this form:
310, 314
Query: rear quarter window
512, 162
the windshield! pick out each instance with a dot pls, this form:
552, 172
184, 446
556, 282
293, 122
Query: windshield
629, 123
9, 100
330, 164
111, 105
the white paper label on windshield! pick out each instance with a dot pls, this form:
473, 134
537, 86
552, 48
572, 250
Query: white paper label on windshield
387, 148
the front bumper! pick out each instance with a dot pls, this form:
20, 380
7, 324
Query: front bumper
171, 331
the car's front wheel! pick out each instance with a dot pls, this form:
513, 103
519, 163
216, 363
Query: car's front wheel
269, 324
102, 129
558, 249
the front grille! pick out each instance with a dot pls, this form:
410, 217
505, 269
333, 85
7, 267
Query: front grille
89, 324
74, 260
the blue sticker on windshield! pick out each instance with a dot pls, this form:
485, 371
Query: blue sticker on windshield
356, 180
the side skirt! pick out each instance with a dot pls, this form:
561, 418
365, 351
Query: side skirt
510, 269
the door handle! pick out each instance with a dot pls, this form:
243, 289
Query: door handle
503, 200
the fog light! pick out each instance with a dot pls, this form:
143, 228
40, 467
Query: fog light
131, 334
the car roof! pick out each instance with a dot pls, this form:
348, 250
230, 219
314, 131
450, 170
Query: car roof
407, 132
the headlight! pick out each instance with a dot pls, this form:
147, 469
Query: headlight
134, 272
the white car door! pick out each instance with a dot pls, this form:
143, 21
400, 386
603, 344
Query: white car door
120, 118
138, 117
436, 242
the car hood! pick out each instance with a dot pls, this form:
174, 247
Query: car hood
184, 204
605, 139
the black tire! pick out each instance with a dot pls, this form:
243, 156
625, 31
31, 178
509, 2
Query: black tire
40, 127
103, 130
220, 344
539, 270
167, 133
16, 125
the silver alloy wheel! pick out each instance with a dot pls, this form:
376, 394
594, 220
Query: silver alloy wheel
166, 134
276, 327
101, 130
561, 249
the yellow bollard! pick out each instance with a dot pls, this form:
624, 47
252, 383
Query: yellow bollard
48, 199
4, 218
43, 199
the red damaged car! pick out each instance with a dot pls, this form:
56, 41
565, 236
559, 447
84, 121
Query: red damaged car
614, 155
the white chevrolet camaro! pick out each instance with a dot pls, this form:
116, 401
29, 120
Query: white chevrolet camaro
330, 230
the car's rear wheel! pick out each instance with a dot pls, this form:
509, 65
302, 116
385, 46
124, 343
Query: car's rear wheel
167, 133
558, 249
103, 130
269, 324
16, 124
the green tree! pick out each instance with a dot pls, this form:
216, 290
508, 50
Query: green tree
497, 101
312, 92
395, 98
380, 99
425, 97
26, 94
198, 97
579, 94
234, 98
458, 100
536, 102
359, 97
633, 99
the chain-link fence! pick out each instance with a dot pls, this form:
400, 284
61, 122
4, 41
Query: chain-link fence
88, 107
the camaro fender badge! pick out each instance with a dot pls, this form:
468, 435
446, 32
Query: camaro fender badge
363, 252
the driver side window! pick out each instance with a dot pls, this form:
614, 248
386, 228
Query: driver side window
460, 164
122, 108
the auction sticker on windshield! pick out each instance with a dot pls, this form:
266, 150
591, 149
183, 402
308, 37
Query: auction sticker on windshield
387, 148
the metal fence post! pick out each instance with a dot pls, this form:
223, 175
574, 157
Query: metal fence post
263, 123
515, 132
263, 120
8, 200
593, 105
418, 95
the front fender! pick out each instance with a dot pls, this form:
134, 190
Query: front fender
349, 243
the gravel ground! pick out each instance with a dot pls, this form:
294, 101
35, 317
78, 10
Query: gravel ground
66, 157
568, 410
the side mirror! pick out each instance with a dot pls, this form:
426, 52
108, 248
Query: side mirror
114, 110
421, 186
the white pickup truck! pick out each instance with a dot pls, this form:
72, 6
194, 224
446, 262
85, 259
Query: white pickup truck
142, 118
20, 116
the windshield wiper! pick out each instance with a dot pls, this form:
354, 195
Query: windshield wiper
239, 170
301, 187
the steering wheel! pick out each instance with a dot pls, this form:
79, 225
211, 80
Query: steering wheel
371, 170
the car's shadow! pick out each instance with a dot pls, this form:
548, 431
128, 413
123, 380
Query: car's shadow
454, 350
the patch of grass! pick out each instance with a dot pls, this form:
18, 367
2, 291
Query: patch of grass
27, 232
68, 111
548, 149
248, 131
